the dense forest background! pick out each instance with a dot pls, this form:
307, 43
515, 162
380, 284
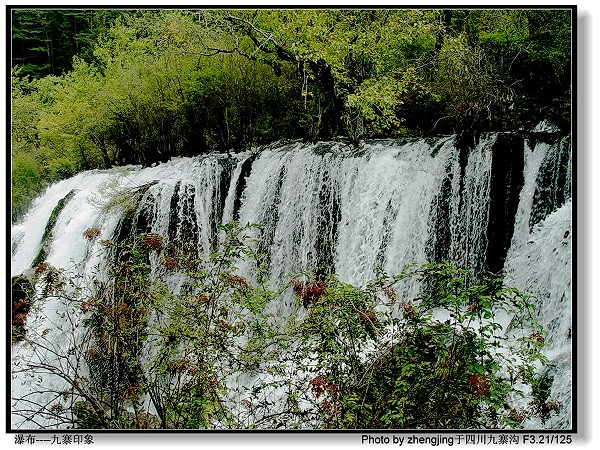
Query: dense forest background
101, 88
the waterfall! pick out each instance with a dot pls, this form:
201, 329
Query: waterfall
539, 261
327, 208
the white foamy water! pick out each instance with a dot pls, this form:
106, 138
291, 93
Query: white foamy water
322, 207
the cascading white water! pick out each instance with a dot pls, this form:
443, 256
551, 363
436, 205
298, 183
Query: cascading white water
324, 208
539, 262
377, 206
54, 322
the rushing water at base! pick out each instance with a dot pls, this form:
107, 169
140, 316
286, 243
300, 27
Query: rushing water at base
331, 209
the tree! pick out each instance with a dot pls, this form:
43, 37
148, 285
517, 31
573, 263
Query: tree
44, 41
149, 85
344, 58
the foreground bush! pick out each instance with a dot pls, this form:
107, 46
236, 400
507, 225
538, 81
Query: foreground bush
168, 341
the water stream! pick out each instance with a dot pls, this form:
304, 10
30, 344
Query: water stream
326, 207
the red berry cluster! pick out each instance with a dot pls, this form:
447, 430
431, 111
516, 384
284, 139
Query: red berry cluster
310, 293
480, 385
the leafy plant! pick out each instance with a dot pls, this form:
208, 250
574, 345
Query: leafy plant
171, 341
437, 361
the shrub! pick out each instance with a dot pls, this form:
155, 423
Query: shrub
434, 362
344, 357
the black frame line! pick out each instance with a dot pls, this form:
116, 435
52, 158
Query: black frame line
574, 273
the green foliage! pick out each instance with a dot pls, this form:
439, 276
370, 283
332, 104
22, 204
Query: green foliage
545, 66
44, 41
144, 86
26, 183
47, 236
177, 349
173, 341
116, 324
439, 364
213, 328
